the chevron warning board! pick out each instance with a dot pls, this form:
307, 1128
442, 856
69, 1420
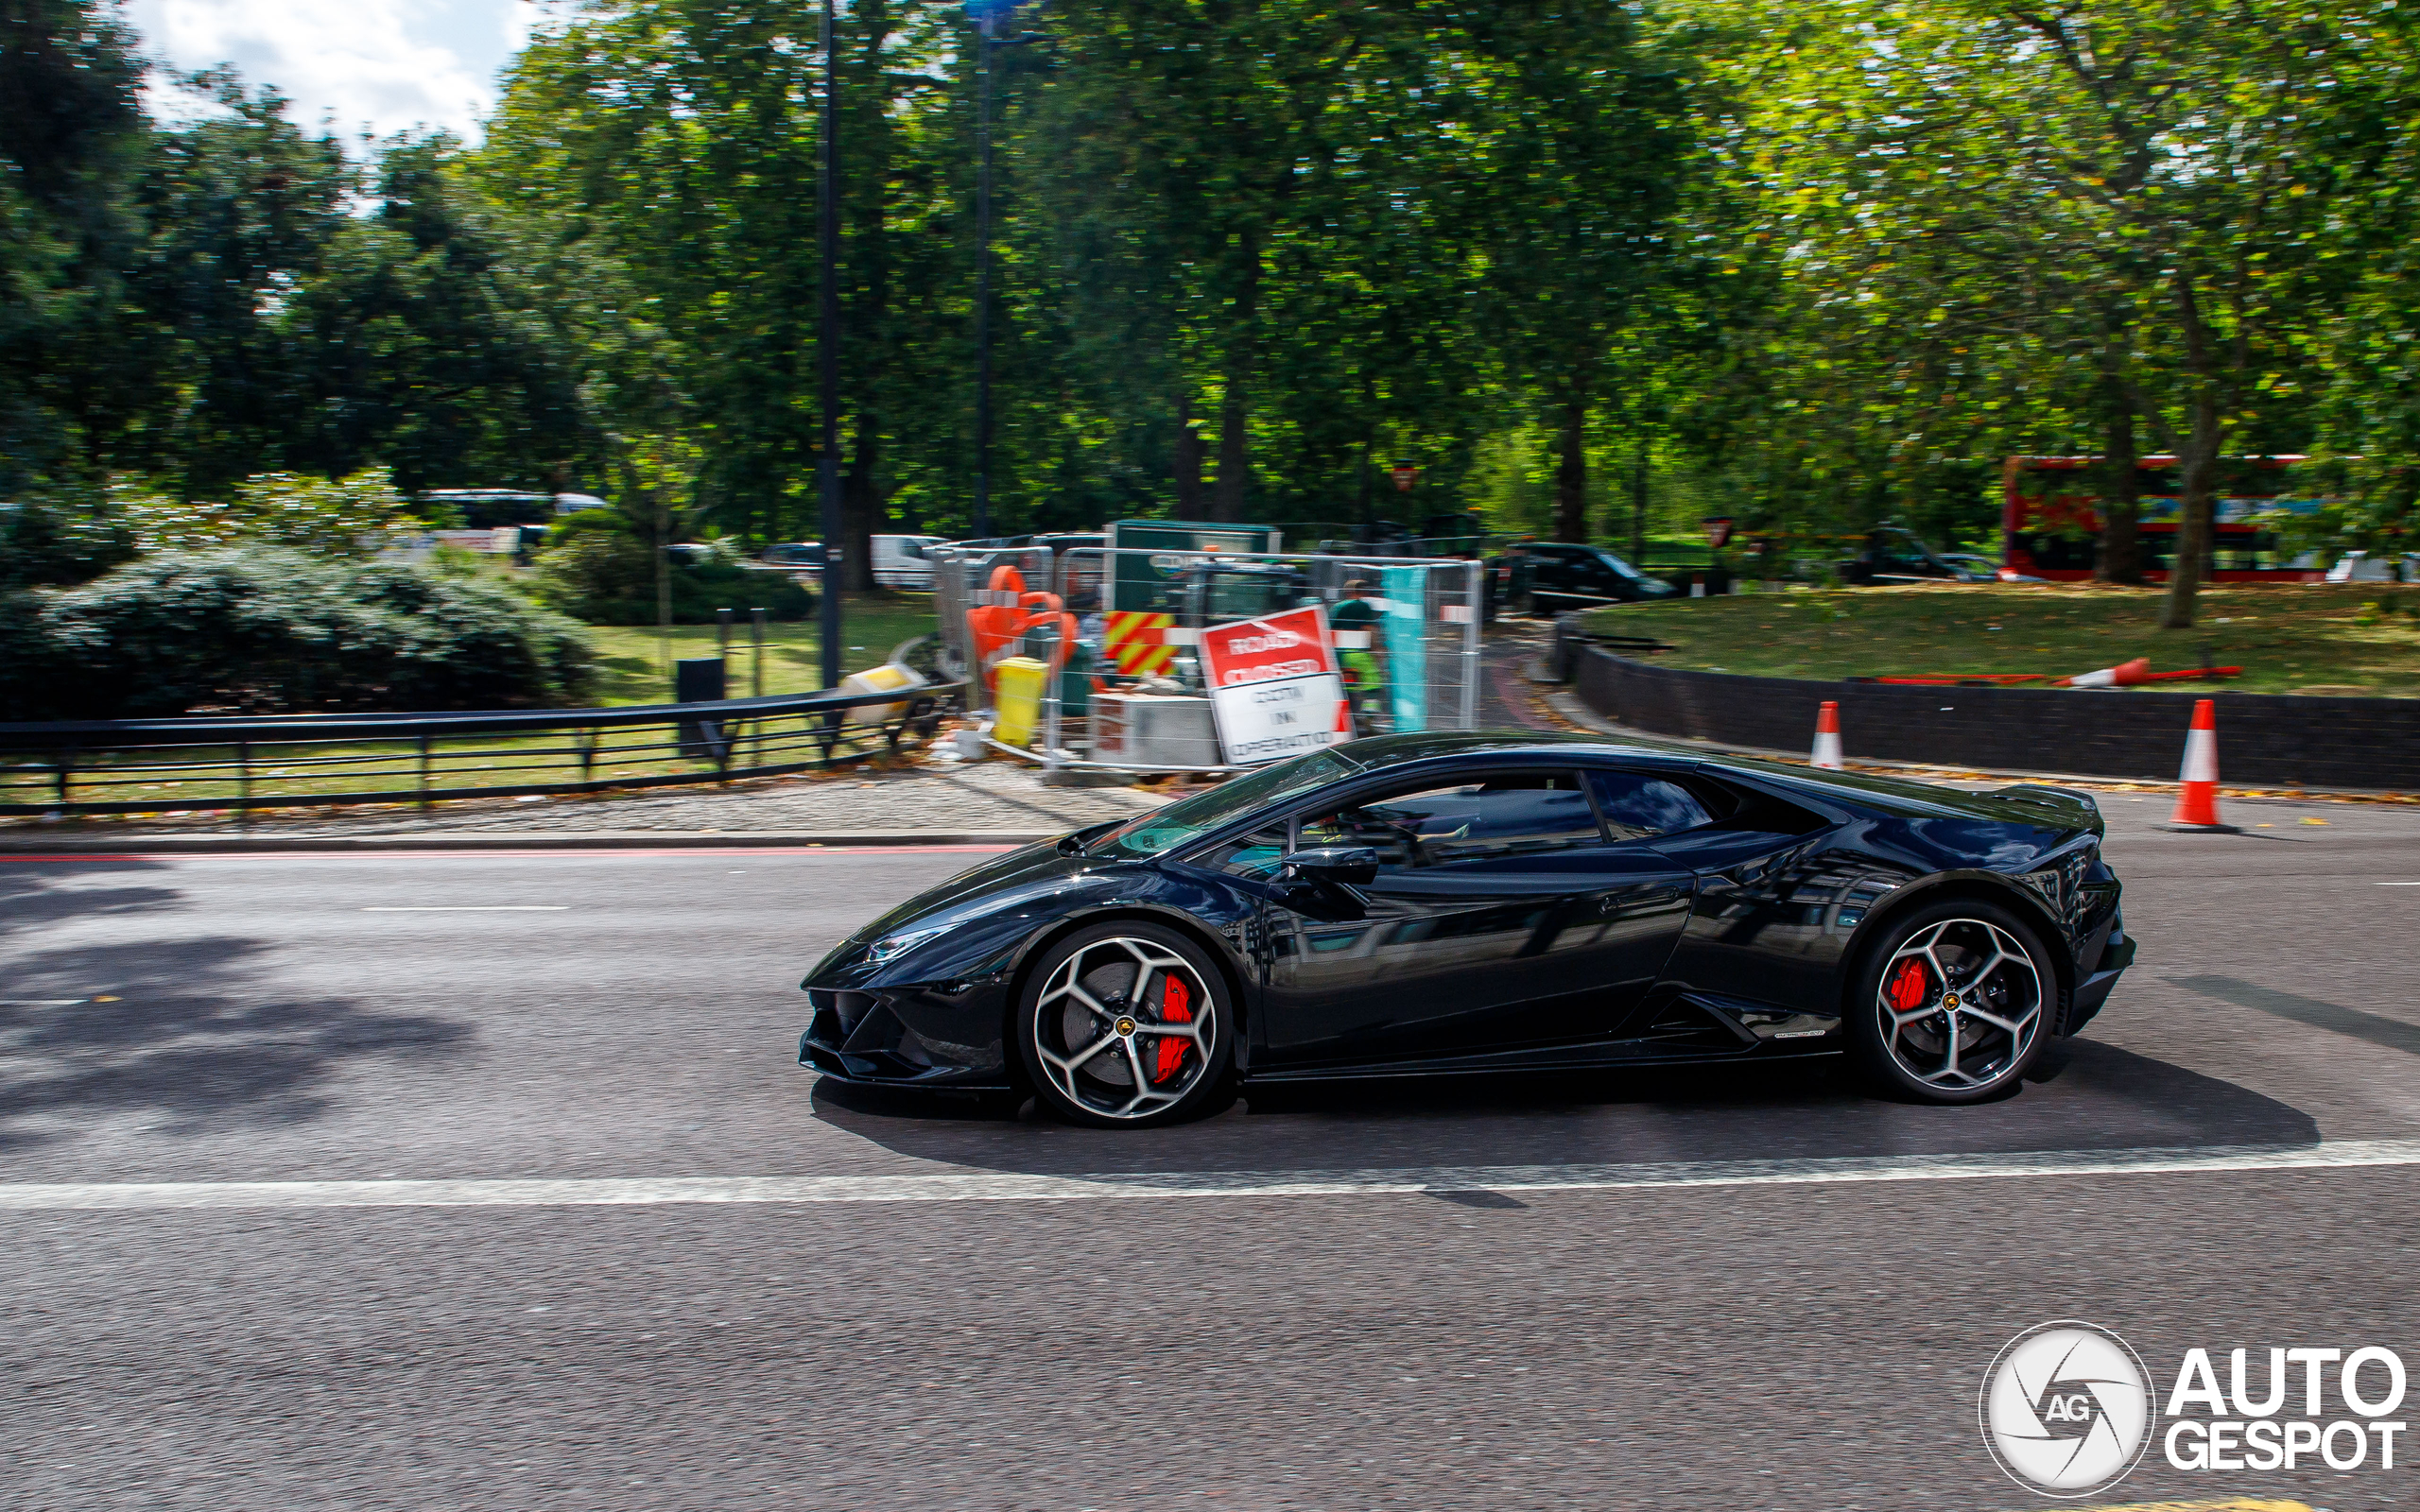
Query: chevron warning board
1135, 642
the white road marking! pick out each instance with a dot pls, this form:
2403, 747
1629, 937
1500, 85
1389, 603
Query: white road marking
982, 1186
39, 1003
472, 908
2399, 883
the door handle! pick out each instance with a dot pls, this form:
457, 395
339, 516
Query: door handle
1628, 902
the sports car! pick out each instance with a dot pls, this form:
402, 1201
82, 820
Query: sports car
1440, 903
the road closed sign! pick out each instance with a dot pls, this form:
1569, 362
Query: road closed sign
1273, 686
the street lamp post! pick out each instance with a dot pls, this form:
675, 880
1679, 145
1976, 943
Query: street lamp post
986, 17
827, 353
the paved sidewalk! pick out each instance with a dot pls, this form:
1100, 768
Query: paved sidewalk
1001, 799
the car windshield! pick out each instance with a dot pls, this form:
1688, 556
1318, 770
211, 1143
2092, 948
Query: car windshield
1621, 566
1158, 832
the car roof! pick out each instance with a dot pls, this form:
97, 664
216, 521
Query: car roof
1860, 790
1375, 752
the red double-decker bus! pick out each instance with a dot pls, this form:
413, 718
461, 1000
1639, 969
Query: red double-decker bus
2050, 518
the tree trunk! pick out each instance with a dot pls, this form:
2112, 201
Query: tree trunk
1235, 466
1189, 461
1571, 467
1235, 470
1638, 499
860, 508
868, 270
2200, 464
2120, 483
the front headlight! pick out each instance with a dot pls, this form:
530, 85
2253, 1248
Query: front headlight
893, 945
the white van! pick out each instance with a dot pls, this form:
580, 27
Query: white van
2361, 567
899, 561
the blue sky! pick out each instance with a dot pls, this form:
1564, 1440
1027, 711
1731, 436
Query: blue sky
380, 65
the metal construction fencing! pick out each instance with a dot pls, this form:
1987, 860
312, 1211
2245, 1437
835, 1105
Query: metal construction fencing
1417, 651
287, 761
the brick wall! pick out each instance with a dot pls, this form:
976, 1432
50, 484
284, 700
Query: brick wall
2263, 738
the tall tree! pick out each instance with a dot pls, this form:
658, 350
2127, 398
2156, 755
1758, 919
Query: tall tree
70, 138
1580, 139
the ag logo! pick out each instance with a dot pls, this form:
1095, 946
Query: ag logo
2066, 1409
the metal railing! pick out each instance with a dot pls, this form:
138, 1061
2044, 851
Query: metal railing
284, 760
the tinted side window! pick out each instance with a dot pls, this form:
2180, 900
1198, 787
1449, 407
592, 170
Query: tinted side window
1255, 856
1516, 815
1637, 805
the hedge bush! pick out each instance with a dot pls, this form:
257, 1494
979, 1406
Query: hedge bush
265, 631
594, 570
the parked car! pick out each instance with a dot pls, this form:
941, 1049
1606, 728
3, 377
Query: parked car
1893, 555
809, 553
1981, 567
2368, 567
898, 561
1565, 576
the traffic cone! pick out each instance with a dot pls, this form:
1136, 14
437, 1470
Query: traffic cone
2125, 675
1827, 737
2197, 803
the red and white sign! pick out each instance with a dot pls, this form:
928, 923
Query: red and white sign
1274, 687
1404, 475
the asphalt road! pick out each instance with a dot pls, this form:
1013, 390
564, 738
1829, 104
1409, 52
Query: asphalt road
1798, 1345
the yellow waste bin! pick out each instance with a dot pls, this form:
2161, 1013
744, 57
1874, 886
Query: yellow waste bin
1017, 694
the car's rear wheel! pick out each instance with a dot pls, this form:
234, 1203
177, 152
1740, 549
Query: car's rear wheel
1124, 1025
1953, 1001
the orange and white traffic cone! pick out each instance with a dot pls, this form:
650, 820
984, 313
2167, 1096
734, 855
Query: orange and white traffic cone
2197, 803
2125, 675
1827, 737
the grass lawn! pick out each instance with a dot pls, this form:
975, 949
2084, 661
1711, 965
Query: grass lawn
2288, 637
631, 658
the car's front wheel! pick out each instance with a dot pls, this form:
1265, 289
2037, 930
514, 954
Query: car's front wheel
1124, 1026
1952, 1001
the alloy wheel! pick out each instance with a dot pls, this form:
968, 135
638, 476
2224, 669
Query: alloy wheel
1124, 1027
1959, 1004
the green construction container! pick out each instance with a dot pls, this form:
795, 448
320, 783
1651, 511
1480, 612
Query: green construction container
1155, 584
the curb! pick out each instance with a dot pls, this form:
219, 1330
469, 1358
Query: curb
493, 840
1572, 707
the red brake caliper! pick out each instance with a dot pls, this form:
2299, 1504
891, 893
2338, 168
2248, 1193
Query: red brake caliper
1906, 989
1176, 1007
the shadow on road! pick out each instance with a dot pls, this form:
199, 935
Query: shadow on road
2102, 1098
190, 1035
2390, 1033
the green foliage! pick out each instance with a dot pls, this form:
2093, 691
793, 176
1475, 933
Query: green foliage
356, 516
1597, 268
51, 543
597, 571
270, 631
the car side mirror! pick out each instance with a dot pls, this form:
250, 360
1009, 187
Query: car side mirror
1348, 864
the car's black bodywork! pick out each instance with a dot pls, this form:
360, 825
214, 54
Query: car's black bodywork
1730, 939
1567, 577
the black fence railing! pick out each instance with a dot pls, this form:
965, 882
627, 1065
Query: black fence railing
286, 760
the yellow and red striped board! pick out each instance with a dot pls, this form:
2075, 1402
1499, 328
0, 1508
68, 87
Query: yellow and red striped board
1135, 640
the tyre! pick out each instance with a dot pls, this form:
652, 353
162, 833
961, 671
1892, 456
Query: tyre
1126, 1025
1952, 1003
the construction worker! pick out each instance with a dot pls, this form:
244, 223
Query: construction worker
1365, 686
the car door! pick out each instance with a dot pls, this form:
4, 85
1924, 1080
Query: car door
1549, 573
1503, 917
